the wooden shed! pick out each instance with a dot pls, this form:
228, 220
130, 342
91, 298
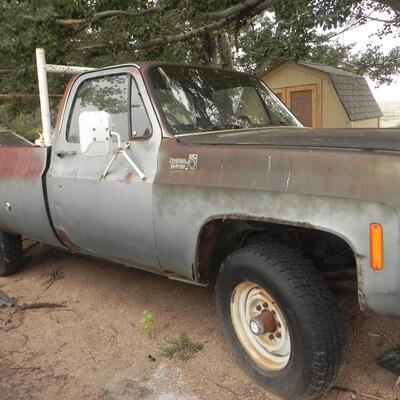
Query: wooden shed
324, 97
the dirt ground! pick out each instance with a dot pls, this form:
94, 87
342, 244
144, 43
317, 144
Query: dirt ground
95, 347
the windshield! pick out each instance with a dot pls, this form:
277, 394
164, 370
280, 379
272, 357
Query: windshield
202, 99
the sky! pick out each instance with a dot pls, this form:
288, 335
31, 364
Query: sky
363, 35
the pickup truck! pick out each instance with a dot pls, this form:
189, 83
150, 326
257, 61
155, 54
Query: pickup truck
202, 175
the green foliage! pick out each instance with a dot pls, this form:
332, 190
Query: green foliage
79, 33
20, 119
104, 394
24, 117
295, 35
146, 322
181, 348
377, 65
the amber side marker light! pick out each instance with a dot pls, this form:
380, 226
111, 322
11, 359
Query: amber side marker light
376, 246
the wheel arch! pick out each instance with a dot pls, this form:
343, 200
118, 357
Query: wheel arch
221, 234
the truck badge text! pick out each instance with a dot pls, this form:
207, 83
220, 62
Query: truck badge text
189, 163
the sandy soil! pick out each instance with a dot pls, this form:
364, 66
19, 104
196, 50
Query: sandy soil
95, 348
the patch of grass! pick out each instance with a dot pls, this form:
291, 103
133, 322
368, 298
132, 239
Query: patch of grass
181, 348
146, 323
105, 394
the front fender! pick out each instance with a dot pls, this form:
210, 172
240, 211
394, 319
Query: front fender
341, 192
348, 219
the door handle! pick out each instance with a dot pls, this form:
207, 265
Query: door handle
62, 154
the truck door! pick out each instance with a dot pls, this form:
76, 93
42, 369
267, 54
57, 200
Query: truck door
111, 217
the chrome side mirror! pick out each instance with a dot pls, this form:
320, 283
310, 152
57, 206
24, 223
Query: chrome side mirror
95, 133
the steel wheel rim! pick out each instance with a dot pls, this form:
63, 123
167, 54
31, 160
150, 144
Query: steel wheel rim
271, 350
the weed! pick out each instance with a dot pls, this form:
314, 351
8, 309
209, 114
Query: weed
105, 394
146, 323
181, 348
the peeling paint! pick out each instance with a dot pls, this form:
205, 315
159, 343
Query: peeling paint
288, 181
221, 169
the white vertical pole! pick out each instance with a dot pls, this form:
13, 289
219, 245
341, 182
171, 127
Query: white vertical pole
44, 96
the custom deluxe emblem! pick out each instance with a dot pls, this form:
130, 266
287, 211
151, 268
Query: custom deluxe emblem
189, 163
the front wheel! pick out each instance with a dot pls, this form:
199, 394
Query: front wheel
281, 320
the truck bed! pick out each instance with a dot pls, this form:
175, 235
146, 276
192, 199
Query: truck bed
23, 207
9, 138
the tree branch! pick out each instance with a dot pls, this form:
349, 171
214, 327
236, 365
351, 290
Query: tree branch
349, 27
25, 96
251, 7
236, 9
385, 21
102, 15
352, 24
35, 306
110, 14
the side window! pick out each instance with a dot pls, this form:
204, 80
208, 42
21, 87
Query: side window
106, 93
141, 127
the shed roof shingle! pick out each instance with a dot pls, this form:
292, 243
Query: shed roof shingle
352, 90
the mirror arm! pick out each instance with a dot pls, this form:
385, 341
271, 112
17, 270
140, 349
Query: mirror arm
118, 136
121, 150
133, 165
106, 170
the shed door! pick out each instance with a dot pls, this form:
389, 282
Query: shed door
302, 101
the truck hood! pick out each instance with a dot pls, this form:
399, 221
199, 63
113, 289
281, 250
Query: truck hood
354, 138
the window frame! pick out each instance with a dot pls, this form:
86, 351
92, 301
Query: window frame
81, 79
167, 130
134, 82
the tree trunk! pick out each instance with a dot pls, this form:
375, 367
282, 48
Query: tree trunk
225, 51
210, 49
217, 50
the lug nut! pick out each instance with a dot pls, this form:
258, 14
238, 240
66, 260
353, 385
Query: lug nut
271, 337
278, 335
265, 305
258, 308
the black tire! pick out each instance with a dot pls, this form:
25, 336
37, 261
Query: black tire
316, 330
10, 254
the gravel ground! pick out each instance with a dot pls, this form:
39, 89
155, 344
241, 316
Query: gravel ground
95, 347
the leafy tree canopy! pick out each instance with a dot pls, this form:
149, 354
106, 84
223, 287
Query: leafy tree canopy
245, 34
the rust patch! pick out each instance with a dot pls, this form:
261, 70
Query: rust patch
345, 174
128, 177
278, 221
65, 240
173, 274
268, 321
22, 162
205, 245
62, 102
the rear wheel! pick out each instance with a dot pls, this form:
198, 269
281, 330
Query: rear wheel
281, 320
10, 253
